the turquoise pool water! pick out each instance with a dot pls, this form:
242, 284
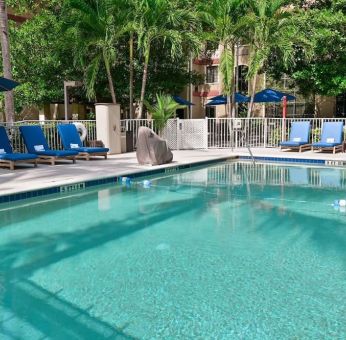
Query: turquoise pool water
229, 251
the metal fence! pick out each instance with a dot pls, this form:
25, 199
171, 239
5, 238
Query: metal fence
190, 134
49, 128
228, 132
258, 132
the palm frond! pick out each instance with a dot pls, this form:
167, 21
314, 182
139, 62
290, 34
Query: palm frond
227, 69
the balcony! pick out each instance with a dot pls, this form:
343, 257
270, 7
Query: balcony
208, 57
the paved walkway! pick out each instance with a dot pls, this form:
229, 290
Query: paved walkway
28, 178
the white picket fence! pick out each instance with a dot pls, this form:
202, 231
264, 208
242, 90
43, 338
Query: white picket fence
190, 134
180, 133
213, 133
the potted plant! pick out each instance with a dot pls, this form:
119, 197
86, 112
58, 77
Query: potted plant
163, 110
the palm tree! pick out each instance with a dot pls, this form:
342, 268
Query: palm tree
164, 109
163, 21
226, 31
98, 25
131, 43
6, 60
270, 27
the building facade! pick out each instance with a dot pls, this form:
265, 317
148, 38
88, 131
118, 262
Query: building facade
207, 65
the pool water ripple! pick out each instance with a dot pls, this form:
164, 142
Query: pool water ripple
201, 254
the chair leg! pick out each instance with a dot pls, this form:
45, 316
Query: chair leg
74, 160
11, 165
105, 156
35, 164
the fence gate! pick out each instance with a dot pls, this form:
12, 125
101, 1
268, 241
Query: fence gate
170, 133
192, 133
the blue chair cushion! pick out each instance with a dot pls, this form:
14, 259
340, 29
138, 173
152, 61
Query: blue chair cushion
4, 141
57, 153
300, 131
69, 135
292, 144
332, 130
33, 135
91, 150
17, 156
324, 145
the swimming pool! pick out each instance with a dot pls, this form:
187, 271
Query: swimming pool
225, 251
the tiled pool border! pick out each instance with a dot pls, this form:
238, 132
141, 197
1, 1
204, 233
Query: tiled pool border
285, 160
114, 179
106, 180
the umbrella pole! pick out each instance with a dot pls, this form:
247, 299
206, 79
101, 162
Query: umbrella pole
284, 112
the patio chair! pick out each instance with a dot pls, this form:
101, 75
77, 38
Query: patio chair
71, 141
8, 158
332, 137
36, 143
299, 137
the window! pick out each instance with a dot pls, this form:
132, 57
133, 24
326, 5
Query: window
212, 74
243, 85
210, 111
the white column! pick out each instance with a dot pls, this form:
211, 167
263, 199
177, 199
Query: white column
108, 128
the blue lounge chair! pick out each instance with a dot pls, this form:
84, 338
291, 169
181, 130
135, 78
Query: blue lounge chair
36, 143
8, 158
332, 137
299, 137
71, 141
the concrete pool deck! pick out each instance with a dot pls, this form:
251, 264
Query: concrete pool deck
27, 178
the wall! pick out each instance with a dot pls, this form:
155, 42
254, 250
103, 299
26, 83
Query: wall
325, 106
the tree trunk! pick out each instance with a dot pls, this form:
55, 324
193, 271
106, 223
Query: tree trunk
144, 82
110, 80
131, 75
250, 109
6, 60
236, 78
229, 100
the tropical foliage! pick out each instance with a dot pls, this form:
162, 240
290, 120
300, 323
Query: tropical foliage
226, 31
126, 51
325, 72
164, 109
171, 23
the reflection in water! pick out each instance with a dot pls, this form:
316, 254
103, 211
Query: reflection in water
238, 173
237, 246
104, 202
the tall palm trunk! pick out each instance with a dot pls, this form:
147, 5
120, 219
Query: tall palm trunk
253, 91
131, 75
144, 82
6, 60
110, 80
235, 77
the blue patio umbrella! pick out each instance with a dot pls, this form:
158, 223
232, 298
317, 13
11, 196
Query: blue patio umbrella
222, 100
7, 84
271, 96
182, 101
215, 102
